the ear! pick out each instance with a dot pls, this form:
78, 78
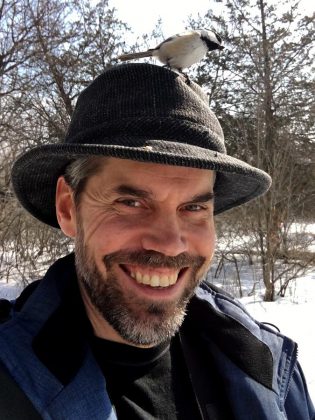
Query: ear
65, 208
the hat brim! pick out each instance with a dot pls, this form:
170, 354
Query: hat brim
35, 174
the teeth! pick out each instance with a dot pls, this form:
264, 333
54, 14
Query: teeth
173, 280
145, 279
155, 280
164, 281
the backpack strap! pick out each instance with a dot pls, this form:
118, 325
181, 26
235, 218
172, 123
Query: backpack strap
14, 404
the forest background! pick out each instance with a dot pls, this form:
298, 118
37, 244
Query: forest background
261, 87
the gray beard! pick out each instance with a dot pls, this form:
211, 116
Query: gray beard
136, 320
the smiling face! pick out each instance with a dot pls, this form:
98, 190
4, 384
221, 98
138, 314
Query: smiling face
144, 238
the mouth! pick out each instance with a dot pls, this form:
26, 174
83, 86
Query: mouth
156, 278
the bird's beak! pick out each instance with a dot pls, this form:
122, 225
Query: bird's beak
221, 47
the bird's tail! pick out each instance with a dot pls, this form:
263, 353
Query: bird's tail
132, 56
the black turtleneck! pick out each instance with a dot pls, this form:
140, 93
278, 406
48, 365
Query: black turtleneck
147, 383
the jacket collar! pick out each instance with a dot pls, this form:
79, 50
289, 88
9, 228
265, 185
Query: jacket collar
220, 319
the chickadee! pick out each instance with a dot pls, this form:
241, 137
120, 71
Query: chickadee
181, 50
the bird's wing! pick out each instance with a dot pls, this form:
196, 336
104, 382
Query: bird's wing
175, 37
178, 44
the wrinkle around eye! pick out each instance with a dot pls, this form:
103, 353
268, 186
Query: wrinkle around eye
97, 198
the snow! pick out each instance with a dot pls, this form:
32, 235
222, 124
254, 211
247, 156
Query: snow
9, 290
292, 314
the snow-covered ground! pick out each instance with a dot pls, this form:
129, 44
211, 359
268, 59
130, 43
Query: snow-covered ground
293, 315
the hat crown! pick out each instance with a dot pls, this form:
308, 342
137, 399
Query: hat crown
130, 104
145, 113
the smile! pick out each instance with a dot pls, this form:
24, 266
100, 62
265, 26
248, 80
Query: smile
153, 278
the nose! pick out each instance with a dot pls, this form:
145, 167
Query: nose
165, 236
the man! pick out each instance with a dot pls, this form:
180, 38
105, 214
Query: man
127, 328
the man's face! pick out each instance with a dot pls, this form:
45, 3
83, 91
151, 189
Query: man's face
144, 239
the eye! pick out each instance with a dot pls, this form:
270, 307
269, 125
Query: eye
194, 207
130, 202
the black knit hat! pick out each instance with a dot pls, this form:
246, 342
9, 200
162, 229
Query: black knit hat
141, 112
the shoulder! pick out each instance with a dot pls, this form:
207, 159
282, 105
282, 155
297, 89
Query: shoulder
220, 300
9, 307
211, 302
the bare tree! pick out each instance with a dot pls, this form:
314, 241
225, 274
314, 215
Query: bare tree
49, 51
265, 97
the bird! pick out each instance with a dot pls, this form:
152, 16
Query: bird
182, 50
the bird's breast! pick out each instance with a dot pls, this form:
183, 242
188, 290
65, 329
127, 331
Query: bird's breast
182, 52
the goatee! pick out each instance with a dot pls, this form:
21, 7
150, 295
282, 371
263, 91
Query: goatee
138, 321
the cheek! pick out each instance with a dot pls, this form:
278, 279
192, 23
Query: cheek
202, 239
207, 241
106, 234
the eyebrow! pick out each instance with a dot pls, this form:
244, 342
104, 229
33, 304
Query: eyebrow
129, 190
139, 193
202, 198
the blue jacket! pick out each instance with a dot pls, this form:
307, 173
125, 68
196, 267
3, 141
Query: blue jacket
258, 365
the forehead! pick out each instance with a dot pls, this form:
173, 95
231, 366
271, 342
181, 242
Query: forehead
123, 170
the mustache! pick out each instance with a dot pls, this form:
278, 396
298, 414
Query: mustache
154, 259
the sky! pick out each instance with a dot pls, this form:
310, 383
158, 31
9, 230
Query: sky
142, 15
